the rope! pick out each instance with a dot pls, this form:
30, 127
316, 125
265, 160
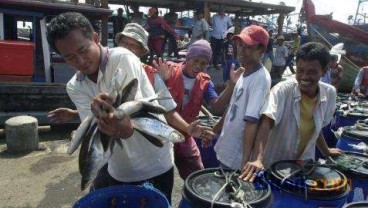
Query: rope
227, 182
344, 57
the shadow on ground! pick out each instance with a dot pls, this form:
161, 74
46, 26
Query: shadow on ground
67, 189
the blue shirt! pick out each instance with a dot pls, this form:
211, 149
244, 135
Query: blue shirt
327, 77
210, 93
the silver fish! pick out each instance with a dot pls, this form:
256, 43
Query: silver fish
157, 129
127, 94
91, 158
131, 107
96, 147
80, 134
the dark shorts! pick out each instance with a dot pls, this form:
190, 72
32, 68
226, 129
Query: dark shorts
163, 182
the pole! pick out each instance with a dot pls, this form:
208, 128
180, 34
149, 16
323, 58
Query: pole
357, 11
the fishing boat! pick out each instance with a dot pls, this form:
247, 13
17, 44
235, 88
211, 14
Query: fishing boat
322, 28
32, 76
39, 87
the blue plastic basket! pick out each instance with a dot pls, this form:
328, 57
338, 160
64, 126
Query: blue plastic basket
124, 196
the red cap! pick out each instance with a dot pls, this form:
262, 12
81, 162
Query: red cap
253, 35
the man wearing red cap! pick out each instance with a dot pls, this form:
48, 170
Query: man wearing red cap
240, 123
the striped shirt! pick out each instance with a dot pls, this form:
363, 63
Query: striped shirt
284, 108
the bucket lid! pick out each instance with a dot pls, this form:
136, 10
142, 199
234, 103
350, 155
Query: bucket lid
224, 187
308, 179
353, 164
362, 108
359, 114
356, 205
208, 121
362, 124
353, 132
343, 96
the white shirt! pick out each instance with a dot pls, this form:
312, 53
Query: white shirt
220, 26
281, 53
138, 159
249, 95
359, 82
199, 27
188, 86
283, 108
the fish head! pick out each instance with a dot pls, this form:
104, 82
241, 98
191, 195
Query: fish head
176, 136
117, 82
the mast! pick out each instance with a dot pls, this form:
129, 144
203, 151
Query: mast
357, 11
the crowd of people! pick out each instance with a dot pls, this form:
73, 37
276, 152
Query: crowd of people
260, 125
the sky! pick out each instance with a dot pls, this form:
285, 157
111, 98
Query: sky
341, 8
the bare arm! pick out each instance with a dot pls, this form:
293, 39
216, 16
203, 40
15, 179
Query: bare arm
175, 120
249, 168
220, 103
250, 132
62, 115
217, 128
325, 150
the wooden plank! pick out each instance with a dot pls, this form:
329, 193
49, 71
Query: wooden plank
14, 78
18, 97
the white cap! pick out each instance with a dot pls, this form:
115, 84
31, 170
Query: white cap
338, 51
230, 30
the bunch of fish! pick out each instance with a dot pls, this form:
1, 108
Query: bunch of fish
96, 147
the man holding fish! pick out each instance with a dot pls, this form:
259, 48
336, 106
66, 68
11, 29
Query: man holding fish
137, 161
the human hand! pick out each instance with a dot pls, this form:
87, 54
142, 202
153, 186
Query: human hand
250, 170
235, 74
108, 123
334, 152
198, 131
163, 69
62, 115
206, 143
116, 128
361, 95
102, 105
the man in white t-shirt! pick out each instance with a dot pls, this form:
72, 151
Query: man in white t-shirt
200, 28
72, 36
240, 123
279, 61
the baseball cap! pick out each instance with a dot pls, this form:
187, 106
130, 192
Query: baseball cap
253, 35
135, 31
